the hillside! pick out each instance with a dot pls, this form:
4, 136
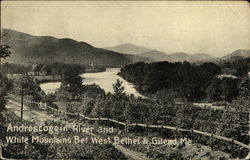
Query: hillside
180, 56
175, 57
244, 53
137, 58
29, 49
129, 48
238, 54
202, 56
158, 56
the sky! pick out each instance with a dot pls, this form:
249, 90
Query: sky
216, 28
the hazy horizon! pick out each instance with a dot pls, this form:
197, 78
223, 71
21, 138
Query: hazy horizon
215, 28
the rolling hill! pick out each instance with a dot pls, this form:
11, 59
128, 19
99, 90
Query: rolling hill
202, 56
129, 48
180, 57
238, 54
28, 49
158, 56
175, 57
244, 53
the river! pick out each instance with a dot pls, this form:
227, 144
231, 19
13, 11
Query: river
103, 79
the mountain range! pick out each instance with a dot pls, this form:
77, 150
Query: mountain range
175, 57
157, 55
28, 49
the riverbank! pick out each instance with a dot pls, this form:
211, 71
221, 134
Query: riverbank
58, 78
103, 79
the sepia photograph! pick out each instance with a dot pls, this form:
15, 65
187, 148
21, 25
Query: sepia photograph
125, 80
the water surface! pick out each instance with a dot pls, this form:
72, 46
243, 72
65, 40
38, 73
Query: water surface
103, 79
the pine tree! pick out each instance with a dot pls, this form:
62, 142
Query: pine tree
118, 88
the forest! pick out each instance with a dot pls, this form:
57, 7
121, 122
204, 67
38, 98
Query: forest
186, 81
56, 68
91, 100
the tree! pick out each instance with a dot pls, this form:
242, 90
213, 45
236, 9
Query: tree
223, 89
211, 67
244, 87
4, 52
242, 70
27, 86
5, 86
118, 88
71, 87
166, 96
236, 120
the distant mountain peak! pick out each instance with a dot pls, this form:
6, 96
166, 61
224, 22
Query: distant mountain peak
238, 53
157, 55
129, 48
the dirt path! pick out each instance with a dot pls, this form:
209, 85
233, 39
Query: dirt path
41, 117
28, 114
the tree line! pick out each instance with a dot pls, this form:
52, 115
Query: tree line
186, 81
